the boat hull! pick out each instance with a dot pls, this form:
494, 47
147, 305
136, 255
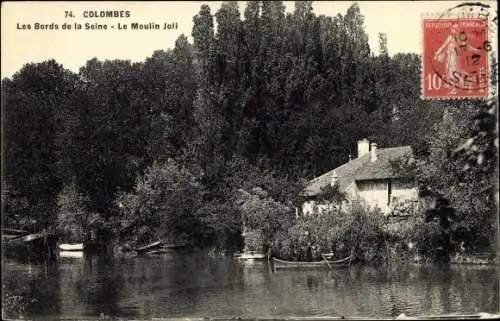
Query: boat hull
250, 256
325, 264
147, 248
71, 247
37, 246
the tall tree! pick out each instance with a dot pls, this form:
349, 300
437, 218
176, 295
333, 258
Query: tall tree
206, 111
112, 133
34, 109
169, 89
229, 54
470, 192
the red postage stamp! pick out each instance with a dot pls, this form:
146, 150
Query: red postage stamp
455, 60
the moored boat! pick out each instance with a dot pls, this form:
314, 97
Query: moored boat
71, 247
27, 238
160, 250
38, 245
283, 264
250, 256
10, 237
9, 232
149, 247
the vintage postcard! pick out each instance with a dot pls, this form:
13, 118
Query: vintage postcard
249, 160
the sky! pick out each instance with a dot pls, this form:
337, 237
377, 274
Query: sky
72, 48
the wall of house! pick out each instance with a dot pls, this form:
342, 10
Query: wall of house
403, 190
375, 193
372, 193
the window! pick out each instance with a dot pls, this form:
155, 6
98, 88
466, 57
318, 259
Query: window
315, 209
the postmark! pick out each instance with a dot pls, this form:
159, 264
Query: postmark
455, 57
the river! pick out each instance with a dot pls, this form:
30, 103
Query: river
197, 285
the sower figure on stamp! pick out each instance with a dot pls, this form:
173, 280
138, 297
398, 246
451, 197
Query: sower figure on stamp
449, 52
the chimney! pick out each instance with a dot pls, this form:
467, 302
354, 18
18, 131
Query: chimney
373, 152
334, 178
363, 147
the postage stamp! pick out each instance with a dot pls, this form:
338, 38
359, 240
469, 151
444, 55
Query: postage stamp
455, 60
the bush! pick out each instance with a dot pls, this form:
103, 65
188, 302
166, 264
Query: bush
264, 217
254, 241
163, 204
437, 237
366, 235
74, 220
359, 232
426, 236
14, 305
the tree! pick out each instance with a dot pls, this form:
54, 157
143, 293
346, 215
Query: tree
169, 88
207, 111
163, 205
74, 220
469, 193
333, 195
203, 44
382, 39
266, 102
111, 137
264, 215
35, 102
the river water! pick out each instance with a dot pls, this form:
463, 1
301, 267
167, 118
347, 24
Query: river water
197, 285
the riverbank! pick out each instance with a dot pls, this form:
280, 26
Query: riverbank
462, 259
477, 259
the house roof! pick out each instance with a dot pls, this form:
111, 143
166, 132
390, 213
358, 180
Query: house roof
361, 168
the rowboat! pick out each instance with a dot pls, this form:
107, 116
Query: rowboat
11, 231
146, 248
37, 245
160, 251
29, 239
283, 264
26, 238
71, 247
11, 237
250, 256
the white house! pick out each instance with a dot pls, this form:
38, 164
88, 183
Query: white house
370, 180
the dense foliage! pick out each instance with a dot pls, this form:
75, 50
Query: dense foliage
164, 148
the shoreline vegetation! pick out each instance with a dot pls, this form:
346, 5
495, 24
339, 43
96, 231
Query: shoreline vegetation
210, 144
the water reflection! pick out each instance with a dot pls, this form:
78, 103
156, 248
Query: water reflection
177, 285
99, 287
37, 284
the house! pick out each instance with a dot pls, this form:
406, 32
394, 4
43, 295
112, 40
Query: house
370, 180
